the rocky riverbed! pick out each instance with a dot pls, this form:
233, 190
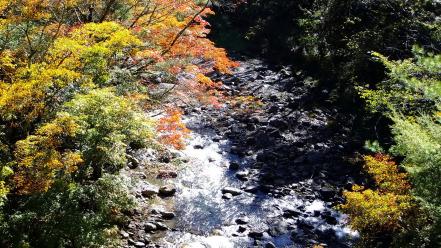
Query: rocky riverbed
265, 170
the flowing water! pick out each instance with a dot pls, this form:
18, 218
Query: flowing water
205, 219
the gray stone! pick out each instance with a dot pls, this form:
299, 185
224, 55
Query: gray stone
149, 191
255, 234
168, 215
164, 174
167, 190
133, 162
227, 196
232, 191
243, 220
124, 234
242, 175
139, 244
149, 227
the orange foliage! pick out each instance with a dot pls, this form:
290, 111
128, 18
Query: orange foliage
172, 130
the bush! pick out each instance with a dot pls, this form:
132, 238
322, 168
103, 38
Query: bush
383, 211
69, 215
90, 136
411, 98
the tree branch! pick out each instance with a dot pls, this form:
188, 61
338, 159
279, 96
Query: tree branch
185, 28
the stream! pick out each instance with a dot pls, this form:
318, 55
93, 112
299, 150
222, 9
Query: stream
266, 176
220, 201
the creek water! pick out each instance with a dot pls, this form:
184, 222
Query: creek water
253, 218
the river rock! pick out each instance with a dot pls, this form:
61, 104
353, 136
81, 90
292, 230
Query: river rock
133, 162
242, 220
232, 191
327, 193
124, 234
149, 227
161, 226
149, 191
290, 212
139, 244
251, 189
270, 245
198, 146
167, 190
227, 196
255, 234
167, 215
241, 229
234, 165
164, 174
242, 175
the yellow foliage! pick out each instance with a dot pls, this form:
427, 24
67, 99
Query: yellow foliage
39, 157
386, 175
372, 211
384, 209
53, 50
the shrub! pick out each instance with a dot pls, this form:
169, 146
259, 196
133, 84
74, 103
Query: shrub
411, 98
384, 210
93, 133
69, 215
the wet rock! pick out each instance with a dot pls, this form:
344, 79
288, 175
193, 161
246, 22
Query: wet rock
161, 226
327, 193
124, 234
217, 138
164, 174
232, 191
149, 227
279, 123
278, 228
234, 166
139, 244
236, 150
167, 191
251, 189
133, 162
198, 146
331, 220
241, 229
167, 215
149, 191
242, 175
227, 196
270, 245
165, 158
242, 220
255, 234
304, 225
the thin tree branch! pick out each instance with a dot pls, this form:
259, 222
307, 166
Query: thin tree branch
185, 28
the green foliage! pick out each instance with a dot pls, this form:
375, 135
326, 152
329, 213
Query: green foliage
92, 133
70, 215
333, 38
411, 97
413, 86
108, 125
74, 80
373, 146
